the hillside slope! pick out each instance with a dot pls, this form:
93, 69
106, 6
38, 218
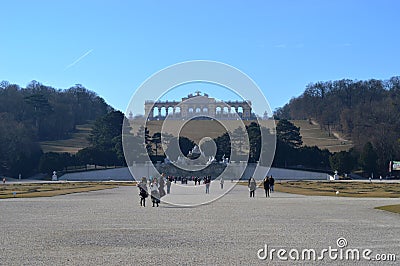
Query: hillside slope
72, 145
313, 135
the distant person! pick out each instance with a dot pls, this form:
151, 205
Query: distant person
4, 180
380, 178
222, 183
143, 191
271, 183
155, 194
266, 183
207, 181
169, 182
252, 186
161, 185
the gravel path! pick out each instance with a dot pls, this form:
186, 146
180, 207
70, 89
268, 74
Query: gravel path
110, 228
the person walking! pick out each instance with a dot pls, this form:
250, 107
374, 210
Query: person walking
155, 194
222, 183
207, 181
266, 183
271, 184
252, 186
143, 191
169, 182
161, 185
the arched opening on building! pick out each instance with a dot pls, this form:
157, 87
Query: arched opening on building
205, 110
170, 110
198, 110
240, 110
218, 110
226, 110
190, 110
155, 112
163, 111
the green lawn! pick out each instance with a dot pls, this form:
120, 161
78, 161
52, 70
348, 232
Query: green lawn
31, 190
345, 188
390, 208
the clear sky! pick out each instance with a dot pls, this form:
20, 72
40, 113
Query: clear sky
111, 47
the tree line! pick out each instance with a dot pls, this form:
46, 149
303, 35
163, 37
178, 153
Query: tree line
106, 146
366, 112
290, 153
36, 113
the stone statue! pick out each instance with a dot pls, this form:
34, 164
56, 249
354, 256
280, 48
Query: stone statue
194, 153
54, 176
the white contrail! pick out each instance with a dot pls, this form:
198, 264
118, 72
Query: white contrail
79, 59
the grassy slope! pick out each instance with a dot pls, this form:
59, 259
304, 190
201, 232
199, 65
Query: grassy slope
196, 129
77, 141
314, 136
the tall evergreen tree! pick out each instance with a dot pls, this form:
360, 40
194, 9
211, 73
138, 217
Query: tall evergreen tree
288, 133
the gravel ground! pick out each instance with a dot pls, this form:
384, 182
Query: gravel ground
110, 228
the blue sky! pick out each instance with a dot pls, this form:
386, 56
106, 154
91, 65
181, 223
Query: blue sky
111, 47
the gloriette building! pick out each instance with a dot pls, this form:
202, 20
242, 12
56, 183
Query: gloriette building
198, 105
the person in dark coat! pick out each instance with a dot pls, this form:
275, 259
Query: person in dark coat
266, 186
143, 191
271, 183
169, 182
161, 185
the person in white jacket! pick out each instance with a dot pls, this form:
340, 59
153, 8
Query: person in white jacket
252, 186
155, 194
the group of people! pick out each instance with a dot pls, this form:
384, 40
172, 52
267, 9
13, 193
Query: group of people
268, 184
184, 179
157, 185
157, 190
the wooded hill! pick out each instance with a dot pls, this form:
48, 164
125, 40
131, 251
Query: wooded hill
367, 112
40, 113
